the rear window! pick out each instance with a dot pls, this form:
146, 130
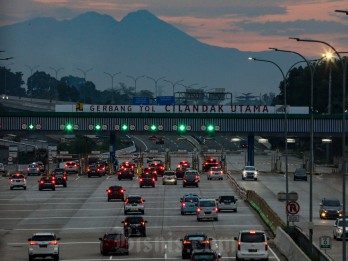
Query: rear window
134, 200
252, 238
227, 199
196, 238
203, 256
18, 176
69, 164
207, 203
191, 199
215, 169
43, 238
134, 220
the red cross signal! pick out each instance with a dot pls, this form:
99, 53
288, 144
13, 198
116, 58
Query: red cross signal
292, 208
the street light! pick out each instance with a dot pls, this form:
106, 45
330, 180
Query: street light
173, 84
112, 83
285, 131
56, 71
31, 68
84, 72
135, 79
344, 68
156, 81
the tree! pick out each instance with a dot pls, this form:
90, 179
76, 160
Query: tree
10, 83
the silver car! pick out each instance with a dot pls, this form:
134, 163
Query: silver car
338, 229
207, 209
134, 204
169, 177
18, 181
215, 173
43, 245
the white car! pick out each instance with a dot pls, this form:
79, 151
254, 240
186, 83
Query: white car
338, 229
252, 245
43, 245
71, 167
207, 209
215, 173
227, 203
134, 204
249, 172
18, 181
169, 177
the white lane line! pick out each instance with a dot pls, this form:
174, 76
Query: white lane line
78, 177
165, 251
275, 256
68, 209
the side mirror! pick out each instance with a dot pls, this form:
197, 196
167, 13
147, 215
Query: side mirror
219, 255
144, 200
235, 238
180, 199
100, 239
122, 222
29, 239
58, 238
210, 239
145, 221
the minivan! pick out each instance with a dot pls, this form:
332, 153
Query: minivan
207, 209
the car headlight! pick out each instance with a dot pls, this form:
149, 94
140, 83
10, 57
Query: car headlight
339, 230
256, 173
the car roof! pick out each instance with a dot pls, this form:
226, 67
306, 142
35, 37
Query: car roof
44, 234
195, 234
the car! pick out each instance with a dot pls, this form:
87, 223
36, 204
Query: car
169, 177
192, 241
114, 243
300, 174
147, 179
205, 254
102, 166
2, 168
134, 225
207, 209
93, 170
184, 164
125, 173
180, 172
189, 204
33, 169
134, 203
158, 168
41, 166
153, 137
330, 208
71, 167
211, 162
61, 176
227, 203
252, 245
243, 144
338, 233
215, 173
18, 181
160, 140
190, 179
249, 172
115, 192
43, 245
47, 182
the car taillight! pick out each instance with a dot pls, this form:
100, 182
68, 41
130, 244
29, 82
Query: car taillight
65, 166
88, 169
98, 170
27, 168
205, 242
266, 245
142, 201
122, 191
211, 172
238, 245
37, 168
185, 180
183, 204
53, 243
179, 166
216, 210
162, 168
198, 210
126, 202
32, 243
109, 190
141, 180
53, 182
11, 180
142, 223
125, 223
153, 179
41, 182
186, 242
64, 177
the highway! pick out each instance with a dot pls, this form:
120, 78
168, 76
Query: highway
80, 214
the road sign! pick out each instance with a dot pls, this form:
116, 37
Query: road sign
325, 242
292, 208
141, 100
165, 100
293, 218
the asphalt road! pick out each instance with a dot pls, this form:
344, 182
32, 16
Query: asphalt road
80, 214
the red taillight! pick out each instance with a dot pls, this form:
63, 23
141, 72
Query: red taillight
53, 182
211, 172
53, 243
205, 242
153, 179
142, 201
32, 243
183, 204
109, 190
216, 210
37, 168
142, 223
179, 166
119, 173
88, 169
11, 180
266, 245
185, 180
198, 210
141, 180
66, 165
238, 245
186, 242
125, 223
41, 182
126, 201
122, 191
64, 177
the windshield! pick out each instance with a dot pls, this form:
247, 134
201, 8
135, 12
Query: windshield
332, 203
249, 168
207, 203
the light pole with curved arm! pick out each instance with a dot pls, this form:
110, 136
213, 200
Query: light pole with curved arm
135, 79
156, 81
174, 84
344, 164
112, 76
285, 128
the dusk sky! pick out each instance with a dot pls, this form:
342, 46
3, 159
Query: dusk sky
247, 25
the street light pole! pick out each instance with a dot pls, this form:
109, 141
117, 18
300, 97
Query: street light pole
84, 72
344, 167
156, 81
112, 84
31, 68
174, 84
135, 79
285, 131
56, 71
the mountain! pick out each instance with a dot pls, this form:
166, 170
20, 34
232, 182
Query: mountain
139, 44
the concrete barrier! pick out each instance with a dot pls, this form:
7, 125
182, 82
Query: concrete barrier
288, 247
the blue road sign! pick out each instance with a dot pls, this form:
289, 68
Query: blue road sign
141, 100
165, 100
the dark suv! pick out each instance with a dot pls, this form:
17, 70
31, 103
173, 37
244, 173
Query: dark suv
194, 241
330, 208
134, 225
147, 179
115, 192
47, 183
125, 173
190, 179
93, 170
158, 167
210, 163
61, 176
205, 254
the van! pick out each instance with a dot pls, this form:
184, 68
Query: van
207, 209
252, 245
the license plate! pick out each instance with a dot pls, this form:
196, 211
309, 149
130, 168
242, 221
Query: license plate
43, 245
208, 212
252, 250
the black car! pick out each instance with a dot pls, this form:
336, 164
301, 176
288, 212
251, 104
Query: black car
194, 241
47, 183
190, 179
330, 208
158, 168
134, 226
147, 179
180, 172
125, 173
210, 163
205, 254
300, 174
93, 170
115, 192
61, 176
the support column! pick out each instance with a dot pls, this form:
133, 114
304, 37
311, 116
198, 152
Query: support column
251, 139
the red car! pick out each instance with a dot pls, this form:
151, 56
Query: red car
114, 243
